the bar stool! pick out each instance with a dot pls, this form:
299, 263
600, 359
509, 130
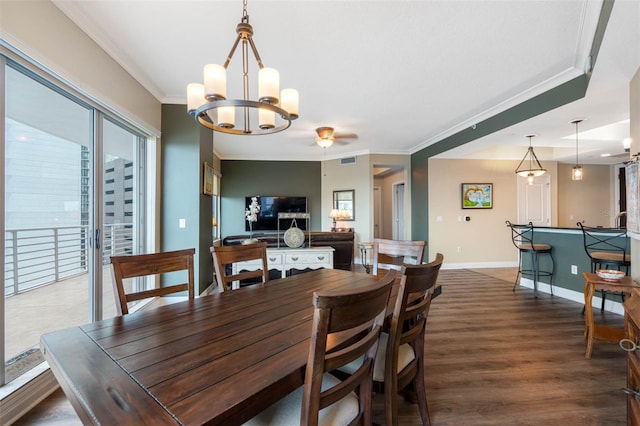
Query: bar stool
607, 248
522, 238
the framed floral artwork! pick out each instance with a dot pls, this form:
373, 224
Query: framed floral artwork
477, 195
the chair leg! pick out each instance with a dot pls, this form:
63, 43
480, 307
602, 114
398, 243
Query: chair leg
553, 272
515, 283
535, 259
421, 395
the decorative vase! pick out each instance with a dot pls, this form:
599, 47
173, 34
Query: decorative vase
250, 240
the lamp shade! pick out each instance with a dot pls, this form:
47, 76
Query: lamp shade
215, 82
289, 100
268, 85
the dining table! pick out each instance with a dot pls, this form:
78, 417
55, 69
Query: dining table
217, 359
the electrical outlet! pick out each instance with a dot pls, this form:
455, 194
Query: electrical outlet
182, 223
459, 249
574, 269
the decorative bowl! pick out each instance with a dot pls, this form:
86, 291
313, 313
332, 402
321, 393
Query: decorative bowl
610, 274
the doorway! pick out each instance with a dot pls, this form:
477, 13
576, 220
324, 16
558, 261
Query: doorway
398, 211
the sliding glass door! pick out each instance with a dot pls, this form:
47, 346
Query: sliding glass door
73, 196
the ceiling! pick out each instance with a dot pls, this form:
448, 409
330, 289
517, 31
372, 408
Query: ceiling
401, 75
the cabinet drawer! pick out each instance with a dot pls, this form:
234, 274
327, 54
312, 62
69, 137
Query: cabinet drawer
274, 259
307, 258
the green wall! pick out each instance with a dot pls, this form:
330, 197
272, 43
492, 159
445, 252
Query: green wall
185, 146
242, 179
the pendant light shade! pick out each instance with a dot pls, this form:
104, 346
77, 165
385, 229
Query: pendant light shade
576, 171
210, 105
530, 167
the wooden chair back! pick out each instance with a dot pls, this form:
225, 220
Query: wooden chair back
142, 265
227, 255
392, 254
408, 326
360, 312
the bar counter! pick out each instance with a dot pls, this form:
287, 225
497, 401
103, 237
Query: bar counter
568, 249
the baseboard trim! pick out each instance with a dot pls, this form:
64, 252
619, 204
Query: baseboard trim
23, 398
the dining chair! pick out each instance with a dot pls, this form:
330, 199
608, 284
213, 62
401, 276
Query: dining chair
392, 254
324, 399
399, 364
522, 238
225, 256
607, 248
124, 268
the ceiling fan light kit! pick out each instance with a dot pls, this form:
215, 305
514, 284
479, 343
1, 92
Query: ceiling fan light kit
208, 102
529, 166
325, 136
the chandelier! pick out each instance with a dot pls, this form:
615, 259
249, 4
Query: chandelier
530, 167
576, 171
208, 102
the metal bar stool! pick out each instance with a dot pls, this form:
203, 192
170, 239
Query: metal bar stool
522, 238
607, 248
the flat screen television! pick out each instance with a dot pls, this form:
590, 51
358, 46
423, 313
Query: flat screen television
269, 209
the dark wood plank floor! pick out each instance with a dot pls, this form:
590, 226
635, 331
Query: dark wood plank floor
495, 357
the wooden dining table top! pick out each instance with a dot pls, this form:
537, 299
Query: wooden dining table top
218, 359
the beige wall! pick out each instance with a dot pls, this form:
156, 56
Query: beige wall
587, 200
356, 176
41, 31
485, 240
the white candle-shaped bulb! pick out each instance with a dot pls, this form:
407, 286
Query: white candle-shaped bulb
227, 117
268, 85
215, 82
266, 119
195, 96
289, 102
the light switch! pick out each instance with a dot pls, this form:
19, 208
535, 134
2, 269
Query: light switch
182, 223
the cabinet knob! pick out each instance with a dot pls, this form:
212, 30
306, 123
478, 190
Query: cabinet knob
628, 345
320, 257
295, 259
273, 259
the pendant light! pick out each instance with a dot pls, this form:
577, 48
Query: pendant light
530, 167
576, 171
209, 105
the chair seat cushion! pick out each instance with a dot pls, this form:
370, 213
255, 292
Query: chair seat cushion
405, 356
287, 411
534, 247
612, 256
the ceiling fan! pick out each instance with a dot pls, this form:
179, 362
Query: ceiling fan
326, 136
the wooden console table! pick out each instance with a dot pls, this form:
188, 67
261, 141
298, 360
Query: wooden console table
285, 259
601, 332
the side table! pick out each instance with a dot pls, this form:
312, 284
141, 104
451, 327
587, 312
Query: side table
601, 332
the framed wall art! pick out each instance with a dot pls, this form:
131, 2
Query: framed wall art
207, 186
477, 195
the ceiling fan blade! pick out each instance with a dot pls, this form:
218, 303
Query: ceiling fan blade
345, 136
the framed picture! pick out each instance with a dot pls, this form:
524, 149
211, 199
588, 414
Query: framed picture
207, 186
477, 195
344, 202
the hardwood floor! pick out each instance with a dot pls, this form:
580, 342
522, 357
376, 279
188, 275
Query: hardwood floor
494, 357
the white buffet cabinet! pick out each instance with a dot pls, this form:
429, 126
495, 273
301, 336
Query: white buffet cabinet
284, 259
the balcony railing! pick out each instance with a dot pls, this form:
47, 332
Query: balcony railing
40, 256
